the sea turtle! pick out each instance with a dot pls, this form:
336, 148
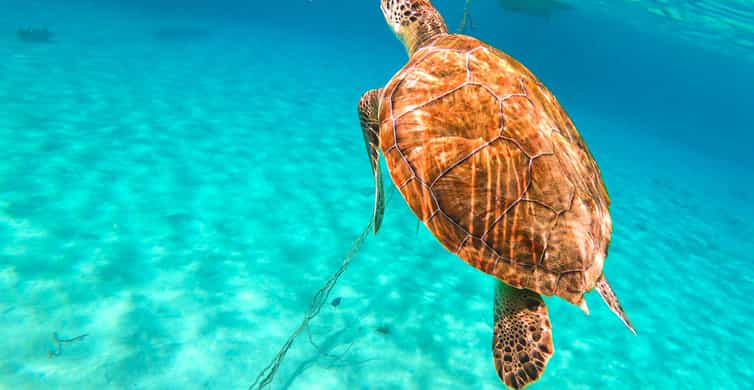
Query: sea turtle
490, 162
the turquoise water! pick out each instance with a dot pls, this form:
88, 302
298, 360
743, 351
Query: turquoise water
180, 200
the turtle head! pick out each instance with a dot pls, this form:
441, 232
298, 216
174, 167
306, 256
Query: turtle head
414, 22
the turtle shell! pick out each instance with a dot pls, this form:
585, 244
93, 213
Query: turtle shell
487, 158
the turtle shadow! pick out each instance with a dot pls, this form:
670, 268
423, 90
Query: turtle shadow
151, 346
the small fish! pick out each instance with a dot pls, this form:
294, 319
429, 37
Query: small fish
384, 329
335, 302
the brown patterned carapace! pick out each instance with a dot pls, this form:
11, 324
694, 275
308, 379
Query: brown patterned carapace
487, 158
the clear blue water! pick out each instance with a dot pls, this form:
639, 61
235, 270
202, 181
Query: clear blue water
180, 200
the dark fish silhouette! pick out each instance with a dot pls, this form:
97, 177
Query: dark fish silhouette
34, 35
384, 329
335, 302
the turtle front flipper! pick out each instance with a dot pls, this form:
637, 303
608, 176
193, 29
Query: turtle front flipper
522, 339
370, 126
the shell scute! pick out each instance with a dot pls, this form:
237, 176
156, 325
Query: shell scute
571, 285
485, 68
521, 116
475, 192
415, 189
457, 123
563, 254
401, 170
435, 157
547, 281
440, 72
470, 112
523, 233
441, 224
548, 186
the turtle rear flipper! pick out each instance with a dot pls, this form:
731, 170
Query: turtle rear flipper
370, 126
522, 336
608, 295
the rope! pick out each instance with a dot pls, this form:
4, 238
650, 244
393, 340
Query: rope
466, 20
266, 376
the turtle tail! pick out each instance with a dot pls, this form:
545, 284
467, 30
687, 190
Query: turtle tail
608, 295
